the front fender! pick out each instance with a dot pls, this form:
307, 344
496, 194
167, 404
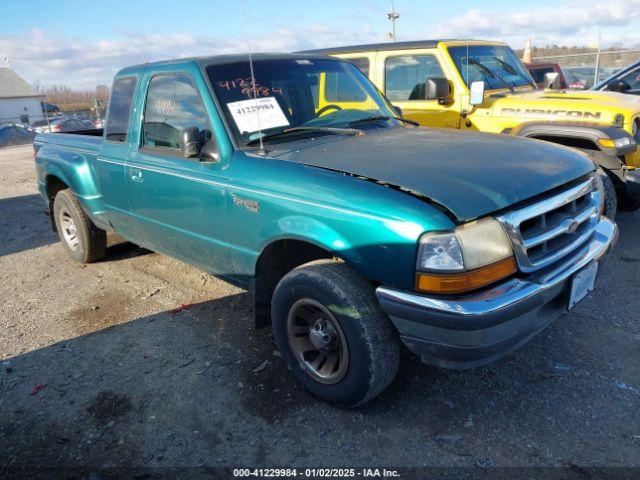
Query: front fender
310, 230
584, 131
380, 250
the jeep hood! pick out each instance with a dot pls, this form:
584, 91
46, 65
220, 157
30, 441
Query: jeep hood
471, 174
570, 105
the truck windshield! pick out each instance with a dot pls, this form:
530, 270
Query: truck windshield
323, 95
497, 66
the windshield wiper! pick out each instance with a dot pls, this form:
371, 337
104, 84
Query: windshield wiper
292, 131
490, 72
376, 118
507, 67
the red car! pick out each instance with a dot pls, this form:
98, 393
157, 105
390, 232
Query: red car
539, 70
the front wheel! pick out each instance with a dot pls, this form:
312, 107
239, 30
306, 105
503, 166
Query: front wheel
332, 333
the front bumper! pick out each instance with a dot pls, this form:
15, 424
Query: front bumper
481, 327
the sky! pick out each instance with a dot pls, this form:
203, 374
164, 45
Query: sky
82, 44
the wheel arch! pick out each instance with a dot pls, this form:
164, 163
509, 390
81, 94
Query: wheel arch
53, 184
276, 259
581, 137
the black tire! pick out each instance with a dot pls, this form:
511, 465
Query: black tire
372, 342
610, 195
89, 243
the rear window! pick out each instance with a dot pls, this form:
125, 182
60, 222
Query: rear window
119, 109
539, 73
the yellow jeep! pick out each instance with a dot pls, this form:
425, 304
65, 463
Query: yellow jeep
480, 85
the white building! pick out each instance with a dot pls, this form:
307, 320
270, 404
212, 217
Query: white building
19, 101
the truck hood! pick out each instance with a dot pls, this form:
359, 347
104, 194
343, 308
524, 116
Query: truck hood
471, 174
588, 105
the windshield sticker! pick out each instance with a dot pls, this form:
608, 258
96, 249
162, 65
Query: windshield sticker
257, 114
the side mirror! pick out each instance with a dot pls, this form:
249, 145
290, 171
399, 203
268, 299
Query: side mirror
398, 111
209, 152
552, 81
476, 96
190, 143
619, 86
437, 88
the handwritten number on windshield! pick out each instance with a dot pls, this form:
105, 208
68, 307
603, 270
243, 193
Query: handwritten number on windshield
245, 87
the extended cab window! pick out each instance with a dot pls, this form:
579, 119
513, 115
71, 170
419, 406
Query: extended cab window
173, 103
404, 76
119, 109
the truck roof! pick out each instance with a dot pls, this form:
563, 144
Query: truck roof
219, 60
374, 47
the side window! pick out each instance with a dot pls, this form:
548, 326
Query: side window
119, 109
361, 63
173, 103
404, 76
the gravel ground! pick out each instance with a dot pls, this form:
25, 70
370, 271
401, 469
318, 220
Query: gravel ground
97, 371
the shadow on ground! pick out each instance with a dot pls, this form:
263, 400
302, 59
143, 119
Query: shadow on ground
201, 387
23, 225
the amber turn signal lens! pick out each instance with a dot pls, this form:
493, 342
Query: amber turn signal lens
606, 142
466, 281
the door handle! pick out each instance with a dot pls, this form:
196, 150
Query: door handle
136, 174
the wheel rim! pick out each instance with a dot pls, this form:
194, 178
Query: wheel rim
69, 231
317, 341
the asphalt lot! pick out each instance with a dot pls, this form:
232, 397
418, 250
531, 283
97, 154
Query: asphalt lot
97, 371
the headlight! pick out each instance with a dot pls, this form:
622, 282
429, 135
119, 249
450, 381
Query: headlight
617, 143
474, 255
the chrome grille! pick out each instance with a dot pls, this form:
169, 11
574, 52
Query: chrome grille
546, 231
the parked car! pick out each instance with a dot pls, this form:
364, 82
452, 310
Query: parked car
539, 70
354, 229
483, 86
49, 108
626, 80
583, 78
61, 124
11, 135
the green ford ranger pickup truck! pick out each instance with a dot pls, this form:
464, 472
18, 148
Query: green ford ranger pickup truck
354, 229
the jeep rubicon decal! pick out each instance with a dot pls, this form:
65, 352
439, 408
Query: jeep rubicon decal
539, 112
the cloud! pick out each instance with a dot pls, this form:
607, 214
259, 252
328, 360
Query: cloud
81, 63
568, 23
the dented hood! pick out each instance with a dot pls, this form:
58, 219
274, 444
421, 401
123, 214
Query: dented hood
471, 174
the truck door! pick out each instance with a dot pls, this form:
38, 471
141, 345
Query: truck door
110, 162
179, 203
403, 78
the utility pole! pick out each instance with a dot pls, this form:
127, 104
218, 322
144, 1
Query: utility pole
393, 16
595, 76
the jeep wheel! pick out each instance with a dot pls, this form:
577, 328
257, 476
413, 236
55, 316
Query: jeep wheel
83, 241
332, 333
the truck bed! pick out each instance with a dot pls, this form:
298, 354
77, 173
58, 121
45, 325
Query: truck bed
83, 139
